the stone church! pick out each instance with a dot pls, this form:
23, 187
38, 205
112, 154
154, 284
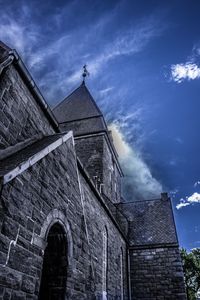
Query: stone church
65, 232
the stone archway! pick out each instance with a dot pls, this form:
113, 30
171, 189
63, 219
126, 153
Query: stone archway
54, 271
55, 216
56, 223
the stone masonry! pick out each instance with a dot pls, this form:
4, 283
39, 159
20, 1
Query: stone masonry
156, 273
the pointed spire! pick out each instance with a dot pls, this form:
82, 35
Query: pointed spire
85, 73
78, 105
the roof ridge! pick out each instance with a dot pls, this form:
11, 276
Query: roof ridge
94, 102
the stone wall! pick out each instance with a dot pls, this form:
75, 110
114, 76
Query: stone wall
90, 152
111, 176
20, 115
157, 274
97, 159
97, 220
46, 193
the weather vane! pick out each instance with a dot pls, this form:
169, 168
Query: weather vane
85, 73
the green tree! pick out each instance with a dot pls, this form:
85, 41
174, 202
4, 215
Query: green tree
191, 268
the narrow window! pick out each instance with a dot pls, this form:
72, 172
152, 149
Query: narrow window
104, 267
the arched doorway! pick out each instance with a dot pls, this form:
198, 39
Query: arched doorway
54, 272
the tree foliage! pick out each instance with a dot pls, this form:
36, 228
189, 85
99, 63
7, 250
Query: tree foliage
191, 268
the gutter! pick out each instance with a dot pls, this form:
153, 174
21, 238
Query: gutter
13, 57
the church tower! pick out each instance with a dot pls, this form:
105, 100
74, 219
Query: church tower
94, 146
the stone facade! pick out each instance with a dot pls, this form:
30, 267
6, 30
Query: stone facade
100, 164
63, 233
20, 116
156, 273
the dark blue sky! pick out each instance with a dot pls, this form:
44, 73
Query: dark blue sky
144, 64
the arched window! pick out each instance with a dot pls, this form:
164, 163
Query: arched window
54, 271
121, 275
105, 263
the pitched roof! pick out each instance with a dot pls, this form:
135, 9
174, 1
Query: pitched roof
77, 106
18, 162
150, 222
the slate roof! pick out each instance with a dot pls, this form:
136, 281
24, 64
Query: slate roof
15, 160
77, 106
151, 222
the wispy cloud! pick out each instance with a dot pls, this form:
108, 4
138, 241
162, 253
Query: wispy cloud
179, 140
197, 183
127, 42
139, 182
55, 50
106, 91
128, 123
50, 51
18, 35
194, 198
173, 162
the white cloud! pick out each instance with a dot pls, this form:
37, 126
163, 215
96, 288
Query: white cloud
194, 198
189, 70
180, 205
181, 72
139, 182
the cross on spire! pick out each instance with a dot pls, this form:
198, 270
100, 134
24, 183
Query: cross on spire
85, 73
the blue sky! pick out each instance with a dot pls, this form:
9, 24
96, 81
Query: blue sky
144, 64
